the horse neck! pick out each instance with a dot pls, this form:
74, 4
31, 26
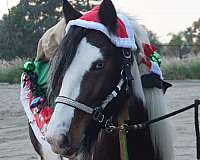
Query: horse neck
106, 147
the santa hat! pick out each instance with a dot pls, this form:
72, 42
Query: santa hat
124, 36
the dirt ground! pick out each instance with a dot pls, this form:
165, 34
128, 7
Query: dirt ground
15, 143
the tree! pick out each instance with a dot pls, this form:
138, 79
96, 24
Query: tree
196, 32
21, 29
83, 5
189, 35
13, 32
181, 43
177, 39
188, 40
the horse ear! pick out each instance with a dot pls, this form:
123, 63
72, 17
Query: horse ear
108, 15
69, 12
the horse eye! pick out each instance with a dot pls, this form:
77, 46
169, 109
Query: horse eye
98, 65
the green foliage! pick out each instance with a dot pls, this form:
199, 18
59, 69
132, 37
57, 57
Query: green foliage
11, 75
182, 70
196, 32
177, 39
82, 5
190, 37
22, 28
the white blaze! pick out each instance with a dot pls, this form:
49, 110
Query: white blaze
62, 116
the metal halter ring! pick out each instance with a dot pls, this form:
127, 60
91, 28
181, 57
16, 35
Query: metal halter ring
109, 127
98, 116
127, 54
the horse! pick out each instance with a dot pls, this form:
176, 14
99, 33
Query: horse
85, 70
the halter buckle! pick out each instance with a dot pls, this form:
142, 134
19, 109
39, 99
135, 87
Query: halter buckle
109, 127
98, 115
127, 54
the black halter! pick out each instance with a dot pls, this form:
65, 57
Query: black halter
102, 114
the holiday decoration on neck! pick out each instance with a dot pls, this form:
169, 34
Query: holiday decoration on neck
155, 57
152, 59
151, 52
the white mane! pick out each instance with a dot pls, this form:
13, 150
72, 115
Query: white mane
155, 105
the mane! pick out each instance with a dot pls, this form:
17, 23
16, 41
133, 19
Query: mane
141, 37
162, 132
62, 59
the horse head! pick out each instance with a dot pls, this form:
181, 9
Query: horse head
85, 70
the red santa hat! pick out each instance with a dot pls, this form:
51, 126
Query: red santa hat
124, 36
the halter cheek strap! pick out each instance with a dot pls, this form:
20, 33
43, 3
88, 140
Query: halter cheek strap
96, 112
114, 94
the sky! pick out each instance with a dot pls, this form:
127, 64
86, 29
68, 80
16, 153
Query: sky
160, 16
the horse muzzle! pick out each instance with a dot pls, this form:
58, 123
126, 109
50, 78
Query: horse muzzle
60, 144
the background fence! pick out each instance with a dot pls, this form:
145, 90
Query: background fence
180, 51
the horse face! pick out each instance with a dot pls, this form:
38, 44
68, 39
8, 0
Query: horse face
91, 77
